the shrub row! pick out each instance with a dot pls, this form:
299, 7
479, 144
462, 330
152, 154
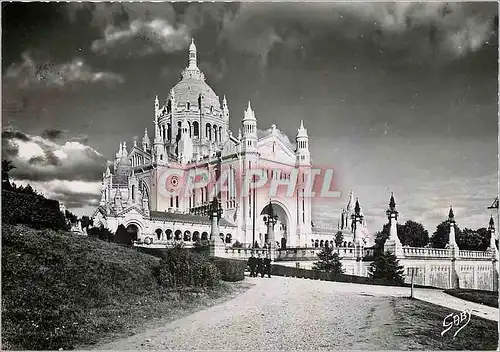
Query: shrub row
33, 210
280, 270
231, 269
183, 268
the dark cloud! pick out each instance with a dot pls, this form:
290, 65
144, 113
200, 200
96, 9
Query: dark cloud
49, 158
426, 30
9, 134
52, 134
31, 73
78, 200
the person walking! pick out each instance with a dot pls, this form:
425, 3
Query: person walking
267, 266
252, 264
260, 267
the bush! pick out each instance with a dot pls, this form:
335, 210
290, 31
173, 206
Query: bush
33, 210
329, 261
101, 233
386, 267
237, 244
231, 269
182, 268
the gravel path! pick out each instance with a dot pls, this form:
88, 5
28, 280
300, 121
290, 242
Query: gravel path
279, 313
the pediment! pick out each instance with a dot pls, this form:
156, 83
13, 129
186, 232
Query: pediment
138, 151
273, 148
131, 210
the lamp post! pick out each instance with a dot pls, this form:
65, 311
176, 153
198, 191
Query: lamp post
270, 219
215, 214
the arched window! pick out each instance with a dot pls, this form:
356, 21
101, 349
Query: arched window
204, 236
215, 133
158, 234
178, 234
169, 234
316, 244
133, 192
208, 132
196, 236
187, 236
196, 129
188, 105
321, 243
212, 109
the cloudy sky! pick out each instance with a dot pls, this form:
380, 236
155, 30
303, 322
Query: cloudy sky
396, 97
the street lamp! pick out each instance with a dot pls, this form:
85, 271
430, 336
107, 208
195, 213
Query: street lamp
215, 214
270, 219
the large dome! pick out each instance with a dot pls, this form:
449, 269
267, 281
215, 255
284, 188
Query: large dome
189, 89
193, 84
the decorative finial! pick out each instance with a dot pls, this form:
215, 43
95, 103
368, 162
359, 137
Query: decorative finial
249, 108
357, 208
392, 203
451, 216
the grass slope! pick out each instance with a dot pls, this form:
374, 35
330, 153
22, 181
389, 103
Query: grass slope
489, 298
61, 290
421, 323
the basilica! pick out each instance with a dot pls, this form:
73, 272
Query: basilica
191, 132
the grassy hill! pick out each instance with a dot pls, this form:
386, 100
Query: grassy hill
61, 290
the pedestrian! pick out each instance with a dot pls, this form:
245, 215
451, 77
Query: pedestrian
267, 266
260, 267
252, 263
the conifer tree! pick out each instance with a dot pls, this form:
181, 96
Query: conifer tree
386, 267
329, 261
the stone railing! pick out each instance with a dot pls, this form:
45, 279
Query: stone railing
474, 254
443, 253
426, 252
242, 253
297, 254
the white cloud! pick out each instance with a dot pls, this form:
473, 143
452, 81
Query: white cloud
142, 37
30, 73
40, 159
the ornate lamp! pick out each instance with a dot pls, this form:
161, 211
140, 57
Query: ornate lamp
270, 217
216, 209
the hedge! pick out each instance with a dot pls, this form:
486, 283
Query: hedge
32, 210
280, 270
231, 269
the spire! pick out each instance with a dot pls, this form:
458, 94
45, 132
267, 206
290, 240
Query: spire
392, 203
125, 152
392, 212
249, 113
224, 101
357, 208
492, 223
145, 139
120, 151
302, 132
192, 54
350, 202
451, 216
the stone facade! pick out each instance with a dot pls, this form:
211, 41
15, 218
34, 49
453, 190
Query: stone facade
191, 133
